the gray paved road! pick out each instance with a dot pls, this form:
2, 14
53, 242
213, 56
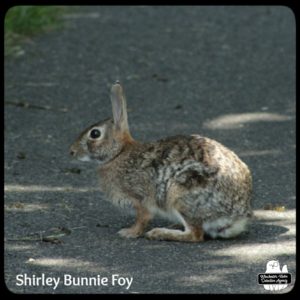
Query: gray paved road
224, 72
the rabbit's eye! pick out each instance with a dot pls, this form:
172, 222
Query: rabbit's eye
95, 133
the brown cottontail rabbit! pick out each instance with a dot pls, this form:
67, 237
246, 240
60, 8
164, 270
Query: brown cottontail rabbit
191, 179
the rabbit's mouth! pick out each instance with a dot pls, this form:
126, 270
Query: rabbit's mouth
84, 158
89, 158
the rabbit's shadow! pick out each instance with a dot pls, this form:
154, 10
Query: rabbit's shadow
267, 232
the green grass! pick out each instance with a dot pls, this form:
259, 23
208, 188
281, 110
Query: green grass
22, 22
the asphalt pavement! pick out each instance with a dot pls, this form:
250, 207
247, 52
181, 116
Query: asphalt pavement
223, 72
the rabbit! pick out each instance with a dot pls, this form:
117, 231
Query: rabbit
192, 180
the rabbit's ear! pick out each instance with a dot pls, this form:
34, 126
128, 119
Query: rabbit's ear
119, 109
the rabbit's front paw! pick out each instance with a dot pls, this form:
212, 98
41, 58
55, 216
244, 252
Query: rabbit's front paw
129, 233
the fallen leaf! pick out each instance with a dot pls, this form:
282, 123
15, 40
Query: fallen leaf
21, 155
72, 170
178, 106
275, 207
52, 240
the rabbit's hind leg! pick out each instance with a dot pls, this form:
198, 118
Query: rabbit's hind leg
191, 233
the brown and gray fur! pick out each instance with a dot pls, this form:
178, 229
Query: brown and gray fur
193, 180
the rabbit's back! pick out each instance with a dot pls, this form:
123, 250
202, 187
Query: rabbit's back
201, 175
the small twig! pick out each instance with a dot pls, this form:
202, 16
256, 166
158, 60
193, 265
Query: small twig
25, 238
33, 106
41, 236
78, 227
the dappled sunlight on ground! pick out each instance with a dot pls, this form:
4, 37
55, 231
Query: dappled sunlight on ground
20, 247
25, 207
258, 251
288, 215
232, 121
66, 263
196, 280
43, 188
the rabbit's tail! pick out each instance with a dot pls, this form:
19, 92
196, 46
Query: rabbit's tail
225, 227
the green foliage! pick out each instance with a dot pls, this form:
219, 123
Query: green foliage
24, 21
31, 19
